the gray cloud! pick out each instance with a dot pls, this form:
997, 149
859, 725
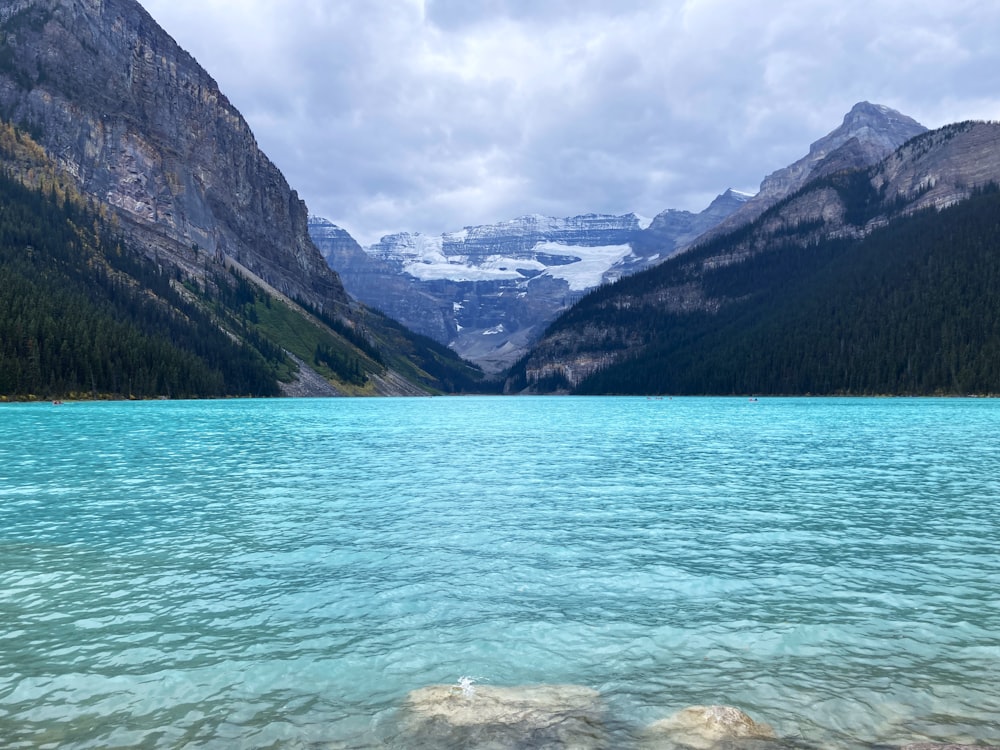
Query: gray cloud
428, 115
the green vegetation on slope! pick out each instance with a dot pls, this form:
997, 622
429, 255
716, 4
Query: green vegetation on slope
423, 359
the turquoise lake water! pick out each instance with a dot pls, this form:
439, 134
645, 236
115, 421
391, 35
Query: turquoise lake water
280, 574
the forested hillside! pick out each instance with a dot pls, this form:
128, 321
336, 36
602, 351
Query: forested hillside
911, 309
83, 315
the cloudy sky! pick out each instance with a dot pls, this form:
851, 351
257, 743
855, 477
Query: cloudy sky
430, 115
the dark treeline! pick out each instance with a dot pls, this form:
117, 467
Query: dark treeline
911, 309
82, 314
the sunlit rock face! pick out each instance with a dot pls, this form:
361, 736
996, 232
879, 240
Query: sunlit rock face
486, 717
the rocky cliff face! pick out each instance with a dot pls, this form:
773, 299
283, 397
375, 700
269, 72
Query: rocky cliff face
489, 291
381, 284
941, 167
144, 129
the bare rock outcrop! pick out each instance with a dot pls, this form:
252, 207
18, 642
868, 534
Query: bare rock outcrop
868, 134
941, 167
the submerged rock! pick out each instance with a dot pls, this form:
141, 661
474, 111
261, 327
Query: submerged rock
705, 727
485, 716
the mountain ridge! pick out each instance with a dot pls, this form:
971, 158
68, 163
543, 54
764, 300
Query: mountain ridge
464, 294
868, 133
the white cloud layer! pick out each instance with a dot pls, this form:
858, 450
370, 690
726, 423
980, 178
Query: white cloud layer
430, 115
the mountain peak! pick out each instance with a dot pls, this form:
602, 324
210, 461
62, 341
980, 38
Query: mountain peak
867, 110
733, 195
880, 130
868, 134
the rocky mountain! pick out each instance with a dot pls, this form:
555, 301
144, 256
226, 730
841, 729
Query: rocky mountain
489, 291
132, 121
808, 237
868, 134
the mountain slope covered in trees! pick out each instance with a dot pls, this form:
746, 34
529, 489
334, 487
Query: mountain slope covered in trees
84, 313
910, 310
81, 314
870, 281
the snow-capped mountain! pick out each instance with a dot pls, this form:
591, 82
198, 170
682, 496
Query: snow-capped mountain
580, 250
489, 291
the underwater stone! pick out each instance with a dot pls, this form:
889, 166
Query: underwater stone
703, 727
486, 716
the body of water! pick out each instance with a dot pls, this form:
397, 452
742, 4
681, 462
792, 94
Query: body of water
282, 574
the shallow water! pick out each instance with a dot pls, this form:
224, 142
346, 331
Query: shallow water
271, 574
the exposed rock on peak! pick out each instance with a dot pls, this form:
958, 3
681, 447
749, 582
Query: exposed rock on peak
868, 134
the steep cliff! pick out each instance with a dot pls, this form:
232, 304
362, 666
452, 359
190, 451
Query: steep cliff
145, 129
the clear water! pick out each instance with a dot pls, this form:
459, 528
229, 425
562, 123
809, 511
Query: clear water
272, 574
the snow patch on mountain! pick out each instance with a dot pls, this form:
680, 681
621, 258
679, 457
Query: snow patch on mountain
643, 221
458, 268
585, 266
590, 264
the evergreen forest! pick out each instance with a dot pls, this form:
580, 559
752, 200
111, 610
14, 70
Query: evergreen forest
82, 315
85, 315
